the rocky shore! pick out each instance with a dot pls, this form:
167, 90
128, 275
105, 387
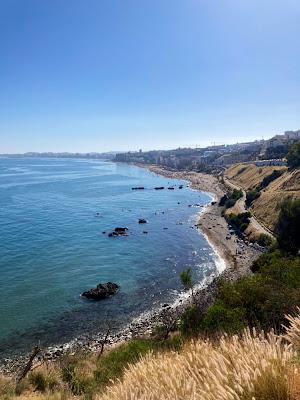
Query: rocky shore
235, 255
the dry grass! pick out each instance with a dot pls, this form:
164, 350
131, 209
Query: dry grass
293, 330
266, 207
238, 368
249, 175
251, 366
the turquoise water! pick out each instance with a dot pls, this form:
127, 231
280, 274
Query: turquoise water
52, 246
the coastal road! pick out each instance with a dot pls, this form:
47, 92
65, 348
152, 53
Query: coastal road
240, 205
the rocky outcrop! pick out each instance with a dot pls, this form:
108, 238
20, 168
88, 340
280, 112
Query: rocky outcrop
118, 232
102, 291
121, 230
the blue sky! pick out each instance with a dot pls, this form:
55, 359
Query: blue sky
98, 75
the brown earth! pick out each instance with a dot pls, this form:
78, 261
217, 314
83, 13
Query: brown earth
266, 207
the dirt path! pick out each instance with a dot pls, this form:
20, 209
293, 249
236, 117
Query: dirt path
240, 207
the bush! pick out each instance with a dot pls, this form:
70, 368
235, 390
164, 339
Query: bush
288, 226
43, 381
223, 200
269, 178
268, 295
190, 322
220, 318
78, 377
230, 200
265, 240
240, 221
293, 156
251, 195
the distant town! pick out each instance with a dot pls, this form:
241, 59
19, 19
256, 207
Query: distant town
261, 152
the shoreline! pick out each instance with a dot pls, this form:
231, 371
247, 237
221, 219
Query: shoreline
231, 266
237, 253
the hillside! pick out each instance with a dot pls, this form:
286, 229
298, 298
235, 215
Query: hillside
242, 367
266, 207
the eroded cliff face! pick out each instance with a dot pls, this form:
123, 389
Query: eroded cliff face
266, 208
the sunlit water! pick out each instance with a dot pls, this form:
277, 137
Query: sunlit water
52, 247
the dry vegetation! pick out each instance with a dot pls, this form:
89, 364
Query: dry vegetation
266, 207
249, 366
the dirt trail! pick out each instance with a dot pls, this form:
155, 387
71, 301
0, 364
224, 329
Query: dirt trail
240, 207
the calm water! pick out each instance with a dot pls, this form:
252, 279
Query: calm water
52, 246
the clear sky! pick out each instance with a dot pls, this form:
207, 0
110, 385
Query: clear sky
98, 75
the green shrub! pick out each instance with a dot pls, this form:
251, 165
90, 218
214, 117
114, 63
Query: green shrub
43, 381
251, 195
288, 226
240, 221
220, 318
230, 200
269, 178
229, 203
265, 240
293, 156
223, 200
78, 380
268, 295
190, 322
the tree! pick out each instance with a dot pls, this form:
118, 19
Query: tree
288, 226
293, 156
186, 280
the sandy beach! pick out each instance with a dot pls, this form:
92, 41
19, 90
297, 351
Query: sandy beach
235, 257
237, 254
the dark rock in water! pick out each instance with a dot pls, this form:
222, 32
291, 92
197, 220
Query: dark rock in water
142, 221
102, 291
104, 232
145, 232
171, 188
138, 188
112, 234
165, 305
166, 228
159, 188
118, 232
180, 186
121, 230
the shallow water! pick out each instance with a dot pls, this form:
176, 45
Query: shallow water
52, 246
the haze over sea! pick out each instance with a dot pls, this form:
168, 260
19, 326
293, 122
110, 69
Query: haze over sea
52, 246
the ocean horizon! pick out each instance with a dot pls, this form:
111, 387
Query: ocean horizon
53, 215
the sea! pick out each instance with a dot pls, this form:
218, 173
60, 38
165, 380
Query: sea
55, 216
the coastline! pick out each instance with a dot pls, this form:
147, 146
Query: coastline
233, 255
237, 254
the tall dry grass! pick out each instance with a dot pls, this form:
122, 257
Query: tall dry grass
293, 330
253, 366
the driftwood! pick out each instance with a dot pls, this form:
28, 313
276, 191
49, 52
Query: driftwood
28, 366
103, 343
